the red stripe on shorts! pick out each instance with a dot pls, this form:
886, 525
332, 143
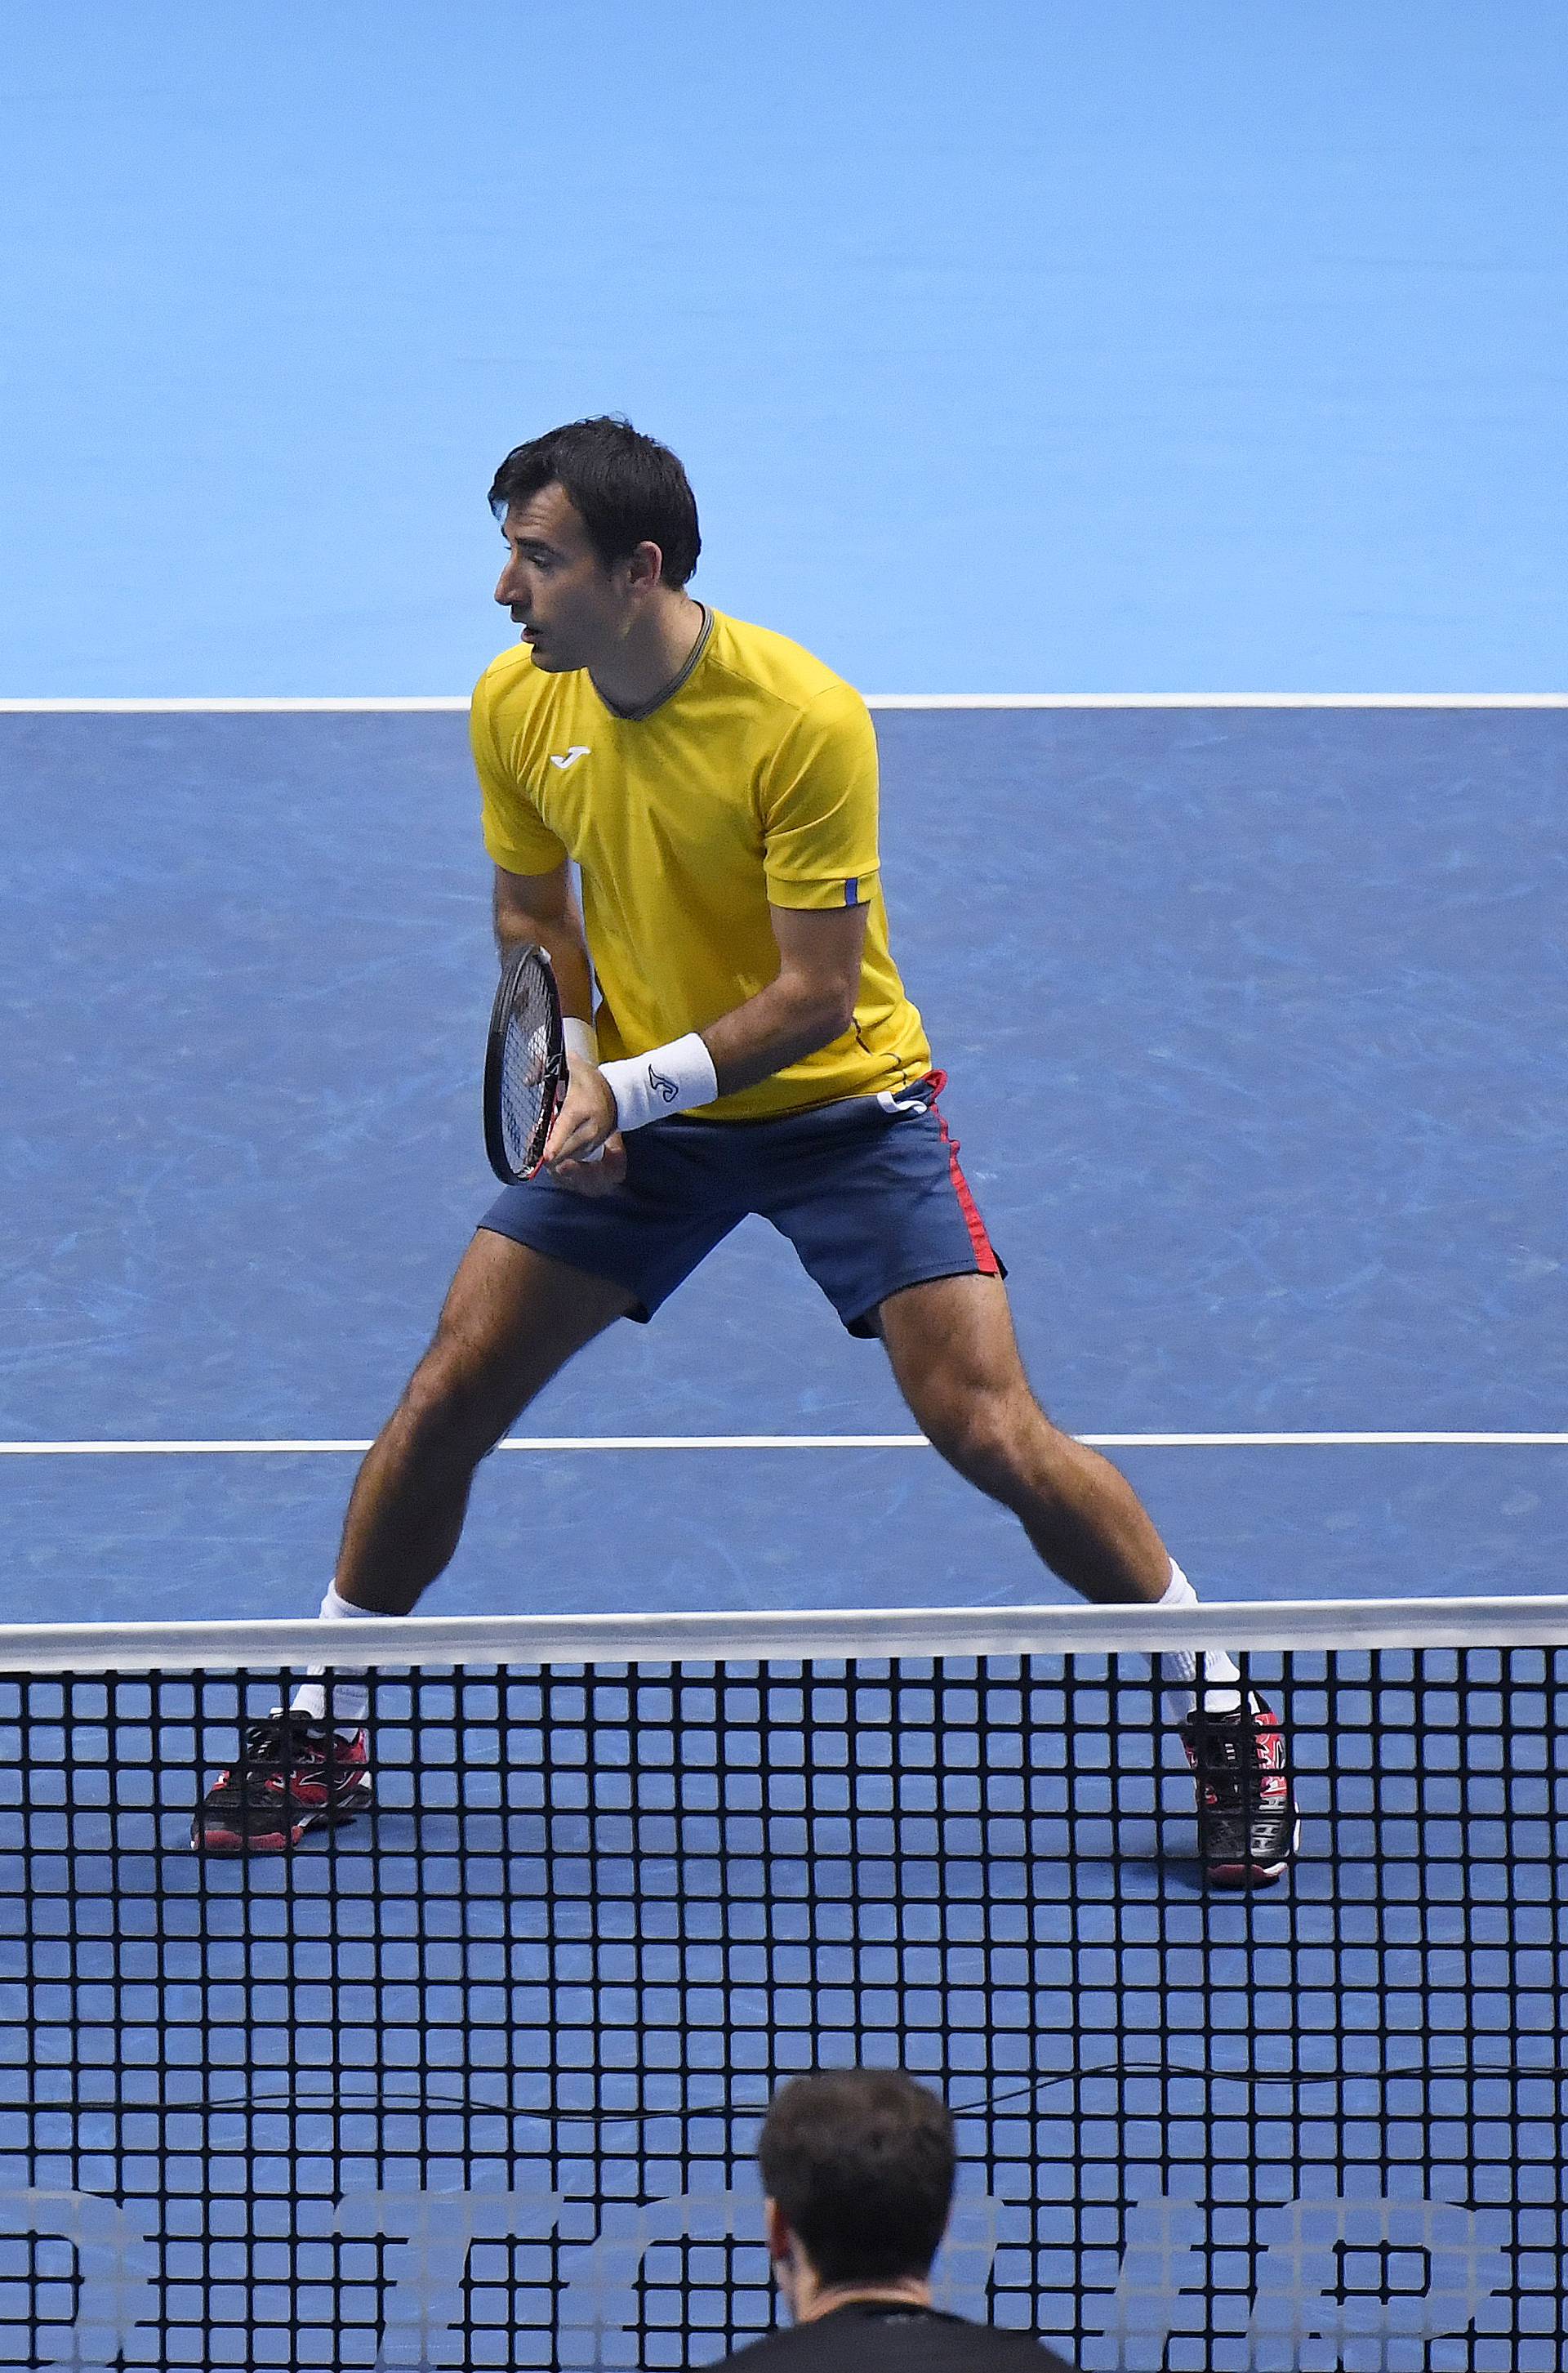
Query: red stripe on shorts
985, 1258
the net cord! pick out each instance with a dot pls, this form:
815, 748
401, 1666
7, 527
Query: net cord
400, 1641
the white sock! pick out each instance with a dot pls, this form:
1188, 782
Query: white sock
1178, 1670
351, 1697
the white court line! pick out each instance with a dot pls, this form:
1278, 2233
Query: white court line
1216, 700
221, 706
394, 703
563, 1442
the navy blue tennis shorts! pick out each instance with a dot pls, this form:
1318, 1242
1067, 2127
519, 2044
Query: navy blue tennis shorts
867, 1190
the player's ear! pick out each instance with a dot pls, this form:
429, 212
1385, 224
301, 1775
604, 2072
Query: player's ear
780, 2240
644, 567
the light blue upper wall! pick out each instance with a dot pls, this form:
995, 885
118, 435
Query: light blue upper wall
1051, 346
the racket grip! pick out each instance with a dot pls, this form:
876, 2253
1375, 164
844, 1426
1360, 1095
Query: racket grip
580, 1042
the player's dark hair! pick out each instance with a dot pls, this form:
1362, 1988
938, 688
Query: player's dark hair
626, 488
861, 2161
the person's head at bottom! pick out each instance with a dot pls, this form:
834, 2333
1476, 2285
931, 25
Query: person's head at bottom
857, 2167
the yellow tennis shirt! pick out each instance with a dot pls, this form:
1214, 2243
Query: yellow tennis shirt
754, 782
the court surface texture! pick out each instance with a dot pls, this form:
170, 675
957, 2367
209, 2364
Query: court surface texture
1252, 1022
1251, 1019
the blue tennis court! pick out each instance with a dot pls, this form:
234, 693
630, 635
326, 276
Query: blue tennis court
1251, 1022
1248, 1013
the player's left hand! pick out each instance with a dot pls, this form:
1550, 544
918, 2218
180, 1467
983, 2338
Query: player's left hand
584, 1122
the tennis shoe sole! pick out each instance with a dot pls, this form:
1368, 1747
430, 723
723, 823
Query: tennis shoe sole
211, 1834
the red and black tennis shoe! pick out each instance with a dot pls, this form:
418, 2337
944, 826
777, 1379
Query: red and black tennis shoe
1248, 1826
292, 1776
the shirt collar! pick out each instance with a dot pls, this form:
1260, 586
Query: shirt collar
636, 716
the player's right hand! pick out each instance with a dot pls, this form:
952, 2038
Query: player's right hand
584, 1150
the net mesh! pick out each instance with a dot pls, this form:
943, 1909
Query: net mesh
476, 2080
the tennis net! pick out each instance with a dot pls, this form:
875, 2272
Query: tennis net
475, 2081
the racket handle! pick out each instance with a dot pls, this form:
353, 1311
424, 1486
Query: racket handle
579, 1044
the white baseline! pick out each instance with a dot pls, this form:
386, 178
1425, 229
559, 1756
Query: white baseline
573, 1442
392, 703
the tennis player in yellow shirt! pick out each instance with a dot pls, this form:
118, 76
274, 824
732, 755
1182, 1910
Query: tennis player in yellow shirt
750, 1049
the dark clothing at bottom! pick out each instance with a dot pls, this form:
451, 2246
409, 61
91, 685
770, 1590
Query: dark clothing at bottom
871, 2336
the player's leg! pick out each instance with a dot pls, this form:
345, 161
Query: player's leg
548, 1270
954, 1355
953, 1351
872, 1197
513, 1318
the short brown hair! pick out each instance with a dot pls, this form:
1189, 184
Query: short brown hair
861, 2161
626, 488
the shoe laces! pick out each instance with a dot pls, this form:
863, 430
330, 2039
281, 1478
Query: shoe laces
286, 1738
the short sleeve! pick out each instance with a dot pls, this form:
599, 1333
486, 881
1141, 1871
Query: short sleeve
515, 835
819, 806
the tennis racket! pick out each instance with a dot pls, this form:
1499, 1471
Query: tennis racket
525, 1065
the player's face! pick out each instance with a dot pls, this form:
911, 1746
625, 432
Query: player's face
573, 609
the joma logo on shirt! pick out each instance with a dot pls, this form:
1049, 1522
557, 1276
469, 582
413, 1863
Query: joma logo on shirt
578, 750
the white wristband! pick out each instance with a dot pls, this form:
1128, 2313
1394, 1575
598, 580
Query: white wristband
664, 1081
580, 1040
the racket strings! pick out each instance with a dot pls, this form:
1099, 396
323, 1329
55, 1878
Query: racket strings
527, 1081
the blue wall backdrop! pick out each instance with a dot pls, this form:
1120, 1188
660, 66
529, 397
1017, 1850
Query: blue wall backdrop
1033, 345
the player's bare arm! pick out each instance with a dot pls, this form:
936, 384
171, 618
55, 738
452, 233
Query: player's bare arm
540, 908
808, 1004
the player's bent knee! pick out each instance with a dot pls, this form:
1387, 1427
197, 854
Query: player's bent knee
449, 1413
987, 1439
